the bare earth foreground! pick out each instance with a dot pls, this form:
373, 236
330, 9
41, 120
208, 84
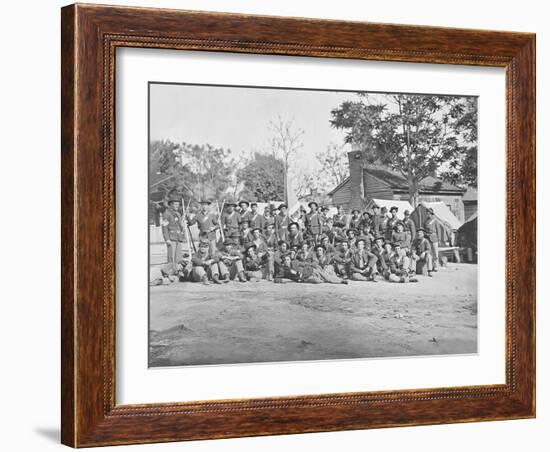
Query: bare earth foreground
192, 324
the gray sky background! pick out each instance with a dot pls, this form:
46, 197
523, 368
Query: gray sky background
238, 118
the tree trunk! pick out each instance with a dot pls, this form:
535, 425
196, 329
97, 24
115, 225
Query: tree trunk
413, 191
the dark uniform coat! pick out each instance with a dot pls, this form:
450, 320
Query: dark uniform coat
314, 223
230, 223
281, 226
207, 224
172, 228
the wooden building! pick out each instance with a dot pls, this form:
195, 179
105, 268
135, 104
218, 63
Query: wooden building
367, 181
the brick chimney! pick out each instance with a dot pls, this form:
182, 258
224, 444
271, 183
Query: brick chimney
356, 163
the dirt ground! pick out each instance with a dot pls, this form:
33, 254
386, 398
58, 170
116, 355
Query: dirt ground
192, 324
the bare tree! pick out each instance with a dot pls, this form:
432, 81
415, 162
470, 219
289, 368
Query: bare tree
334, 166
285, 143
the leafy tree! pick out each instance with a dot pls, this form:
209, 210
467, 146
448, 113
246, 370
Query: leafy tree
416, 135
262, 178
334, 166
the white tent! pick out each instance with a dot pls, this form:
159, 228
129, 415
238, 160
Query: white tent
389, 203
444, 213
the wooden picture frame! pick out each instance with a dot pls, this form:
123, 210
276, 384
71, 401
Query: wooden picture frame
90, 35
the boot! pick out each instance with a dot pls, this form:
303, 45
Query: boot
216, 279
205, 281
242, 277
225, 278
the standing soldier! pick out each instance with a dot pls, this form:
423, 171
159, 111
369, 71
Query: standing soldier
243, 210
409, 226
282, 221
355, 220
245, 234
390, 225
324, 216
376, 221
172, 229
207, 223
431, 234
230, 223
339, 219
365, 220
384, 220
268, 218
314, 223
255, 220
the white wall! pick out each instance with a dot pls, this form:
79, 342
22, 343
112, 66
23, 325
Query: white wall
29, 106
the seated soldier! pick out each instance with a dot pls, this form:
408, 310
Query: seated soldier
342, 260
367, 236
295, 236
270, 236
204, 265
400, 265
232, 258
352, 238
168, 273
362, 265
387, 255
281, 252
329, 249
323, 268
377, 249
421, 250
287, 270
263, 252
304, 254
245, 234
254, 267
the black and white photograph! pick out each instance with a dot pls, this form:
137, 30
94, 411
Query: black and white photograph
291, 224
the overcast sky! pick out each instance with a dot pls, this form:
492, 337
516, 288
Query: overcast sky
238, 118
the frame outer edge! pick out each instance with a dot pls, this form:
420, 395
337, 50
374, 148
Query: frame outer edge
68, 217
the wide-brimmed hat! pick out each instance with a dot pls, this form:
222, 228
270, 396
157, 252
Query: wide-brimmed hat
280, 242
421, 229
205, 201
256, 229
320, 246
361, 240
282, 205
398, 223
254, 204
355, 210
351, 230
244, 202
230, 204
174, 198
379, 237
394, 209
294, 223
251, 245
310, 203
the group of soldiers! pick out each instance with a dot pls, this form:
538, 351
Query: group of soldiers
241, 244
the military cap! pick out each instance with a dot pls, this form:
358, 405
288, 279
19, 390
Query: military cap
244, 202
394, 209
174, 198
294, 223
282, 205
310, 203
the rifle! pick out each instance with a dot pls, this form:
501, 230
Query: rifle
220, 211
186, 230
